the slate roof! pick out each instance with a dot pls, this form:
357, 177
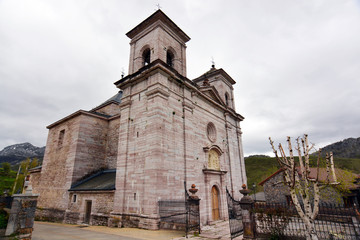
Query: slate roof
101, 181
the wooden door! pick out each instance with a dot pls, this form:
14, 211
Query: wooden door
215, 203
87, 211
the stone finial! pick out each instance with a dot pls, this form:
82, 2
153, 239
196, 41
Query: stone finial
193, 191
244, 191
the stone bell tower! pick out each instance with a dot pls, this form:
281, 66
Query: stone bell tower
157, 37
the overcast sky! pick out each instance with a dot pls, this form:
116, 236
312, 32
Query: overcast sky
296, 63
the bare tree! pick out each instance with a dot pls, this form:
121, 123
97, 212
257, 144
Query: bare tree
303, 188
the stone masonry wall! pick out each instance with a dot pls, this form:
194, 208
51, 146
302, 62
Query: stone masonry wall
90, 147
102, 205
112, 143
57, 166
275, 190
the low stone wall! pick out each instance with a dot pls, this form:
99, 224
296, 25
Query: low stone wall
50, 215
133, 221
72, 217
99, 220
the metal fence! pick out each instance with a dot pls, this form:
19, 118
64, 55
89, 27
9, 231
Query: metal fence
332, 221
180, 214
173, 212
235, 216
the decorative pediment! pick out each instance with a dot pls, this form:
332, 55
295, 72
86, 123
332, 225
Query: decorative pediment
212, 93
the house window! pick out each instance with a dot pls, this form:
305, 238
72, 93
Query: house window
74, 198
61, 138
214, 162
170, 58
146, 57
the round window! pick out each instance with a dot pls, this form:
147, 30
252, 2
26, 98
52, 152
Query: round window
211, 132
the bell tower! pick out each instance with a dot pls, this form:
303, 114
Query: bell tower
157, 37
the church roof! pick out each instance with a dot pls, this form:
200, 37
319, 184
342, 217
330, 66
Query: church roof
158, 15
212, 72
114, 99
104, 180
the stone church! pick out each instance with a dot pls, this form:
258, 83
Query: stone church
115, 162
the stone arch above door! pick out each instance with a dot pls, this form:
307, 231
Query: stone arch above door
213, 158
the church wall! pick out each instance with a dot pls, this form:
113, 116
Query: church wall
203, 113
112, 143
160, 174
56, 170
91, 145
153, 172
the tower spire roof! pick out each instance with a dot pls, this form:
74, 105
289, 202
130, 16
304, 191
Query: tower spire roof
158, 15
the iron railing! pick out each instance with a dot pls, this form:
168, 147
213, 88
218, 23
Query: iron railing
184, 214
235, 216
332, 221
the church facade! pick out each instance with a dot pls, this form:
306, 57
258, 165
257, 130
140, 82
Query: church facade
111, 165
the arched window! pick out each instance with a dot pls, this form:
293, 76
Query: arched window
146, 57
170, 58
227, 99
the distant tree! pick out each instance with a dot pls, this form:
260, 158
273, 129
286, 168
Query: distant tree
34, 163
6, 168
303, 189
22, 173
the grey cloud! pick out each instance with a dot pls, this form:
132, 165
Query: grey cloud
295, 62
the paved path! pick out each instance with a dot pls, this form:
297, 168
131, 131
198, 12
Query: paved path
218, 230
56, 231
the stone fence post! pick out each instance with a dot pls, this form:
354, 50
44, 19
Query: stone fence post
193, 211
248, 217
22, 214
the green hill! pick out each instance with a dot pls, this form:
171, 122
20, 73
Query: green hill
259, 167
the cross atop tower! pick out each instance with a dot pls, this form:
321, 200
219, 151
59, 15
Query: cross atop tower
212, 62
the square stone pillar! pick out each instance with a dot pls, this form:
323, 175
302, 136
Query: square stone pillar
248, 217
22, 214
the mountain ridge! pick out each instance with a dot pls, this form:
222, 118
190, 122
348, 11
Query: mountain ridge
347, 148
16, 153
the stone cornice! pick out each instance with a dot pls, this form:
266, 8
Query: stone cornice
157, 92
126, 103
215, 172
160, 66
75, 114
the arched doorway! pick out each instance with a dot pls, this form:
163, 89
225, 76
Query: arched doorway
215, 203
